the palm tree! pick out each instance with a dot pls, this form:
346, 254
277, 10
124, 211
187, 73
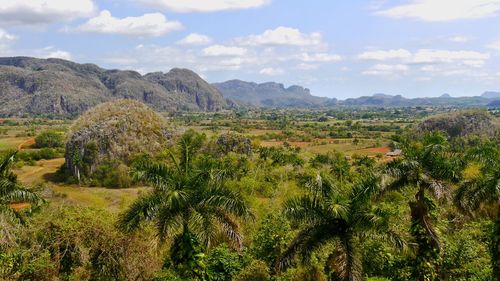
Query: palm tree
11, 191
426, 166
189, 203
484, 190
335, 214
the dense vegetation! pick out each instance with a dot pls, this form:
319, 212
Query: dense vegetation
261, 195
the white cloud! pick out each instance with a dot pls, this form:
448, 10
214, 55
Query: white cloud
428, 56
444, 10
494, 45
386, 70
6, 40
155, 24
220, 51
459, 39
58, 54
44, 11
184, 6
385, 55
48, 52
5, 37
320, 57
195, 39
271, 71
446, 56
307, 66
281, 36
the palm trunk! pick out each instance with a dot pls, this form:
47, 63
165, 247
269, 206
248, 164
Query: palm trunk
428, 245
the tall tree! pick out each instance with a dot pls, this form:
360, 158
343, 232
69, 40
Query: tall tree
482, 189
427, 166
339, 214
189, 203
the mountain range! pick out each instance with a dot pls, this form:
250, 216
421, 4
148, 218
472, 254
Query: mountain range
270, 94
275, 95
31, 86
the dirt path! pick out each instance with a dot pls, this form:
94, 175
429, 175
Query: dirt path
28, 142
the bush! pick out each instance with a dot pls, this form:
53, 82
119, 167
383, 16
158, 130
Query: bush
256, 271
49, 139
111, 174
223, 263
36, 155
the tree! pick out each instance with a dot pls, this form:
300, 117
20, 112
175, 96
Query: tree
483, 189
11, 191
50, 139
426, 166
190, 203
335, 214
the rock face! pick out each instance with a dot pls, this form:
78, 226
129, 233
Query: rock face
113, 131
461, 124
54, 86
268, 94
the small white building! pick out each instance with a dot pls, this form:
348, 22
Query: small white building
395, 153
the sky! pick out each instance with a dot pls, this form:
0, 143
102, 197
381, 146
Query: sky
336, 48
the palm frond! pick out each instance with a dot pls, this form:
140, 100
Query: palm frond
230, 201
230, 229
345, 261
309, 240
306, 209
144, 208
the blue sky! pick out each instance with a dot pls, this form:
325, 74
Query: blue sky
335, 48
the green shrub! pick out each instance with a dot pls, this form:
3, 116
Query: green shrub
256, 271
50, 139
223, 263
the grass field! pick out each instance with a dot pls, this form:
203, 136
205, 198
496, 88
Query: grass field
38, 174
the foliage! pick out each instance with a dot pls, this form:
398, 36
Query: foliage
13, 192
223, 263
234, 143
189, 202
338, 214
49, 139
255, 271
271, 239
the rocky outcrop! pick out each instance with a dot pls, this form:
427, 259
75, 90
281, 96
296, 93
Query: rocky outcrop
113, 131
461, 124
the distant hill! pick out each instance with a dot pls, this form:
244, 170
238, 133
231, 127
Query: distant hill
54, 86
491, 95
384, 100
275, 95
269, 94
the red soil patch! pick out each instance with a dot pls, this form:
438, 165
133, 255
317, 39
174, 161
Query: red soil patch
20, 206
28, 142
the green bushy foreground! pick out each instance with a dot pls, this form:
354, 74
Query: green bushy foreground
222, 208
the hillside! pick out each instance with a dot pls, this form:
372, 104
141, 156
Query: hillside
461, 124
384, 100
54, 86
275, 95
269, 94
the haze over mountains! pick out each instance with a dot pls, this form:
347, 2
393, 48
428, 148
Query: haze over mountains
31, 86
